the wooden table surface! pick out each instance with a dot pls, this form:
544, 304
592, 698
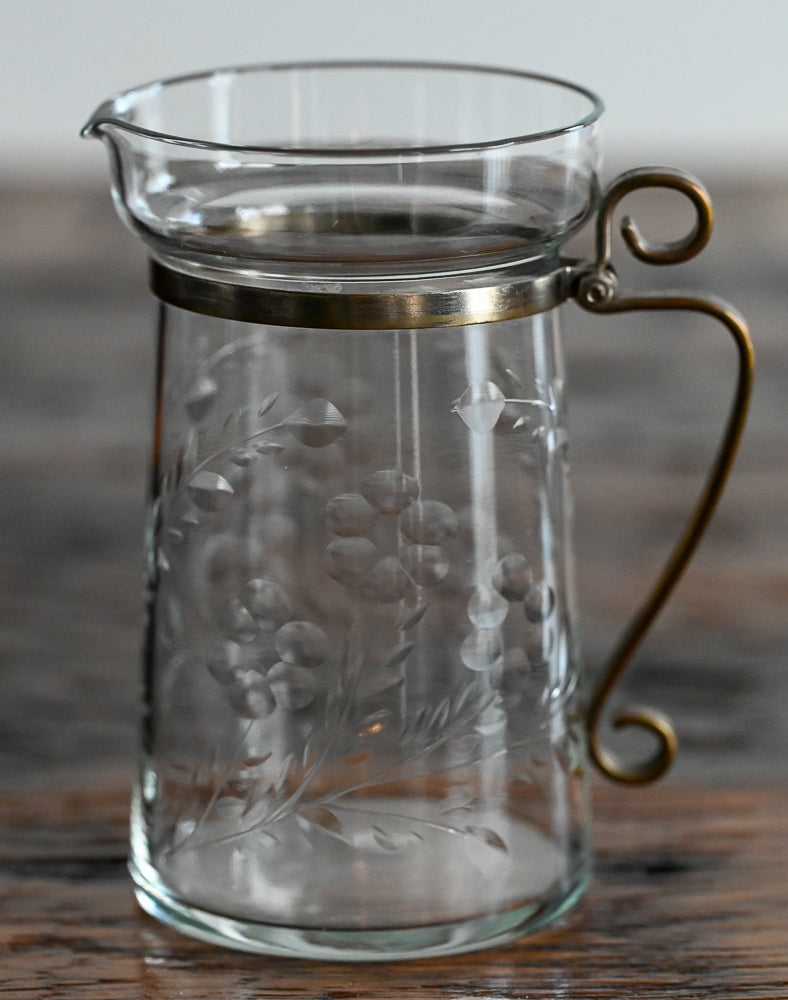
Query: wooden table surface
691, 894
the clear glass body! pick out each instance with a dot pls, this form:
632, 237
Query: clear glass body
362, 696
362, 722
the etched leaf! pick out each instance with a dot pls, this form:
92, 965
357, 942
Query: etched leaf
233, 420
440, 715
191, 447
267, 838
210, 491
412, 616
383, 839
490, 837
464, 697
244, 456
267, 404
397, 655
411, 728
471, 712
382, 684
252, 762
268, 447
308, 757
421, 722
185, 460
321, 819
514, 378
174, 475
463, 807
284, 770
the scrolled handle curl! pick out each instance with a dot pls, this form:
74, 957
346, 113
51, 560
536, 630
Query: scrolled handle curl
647, 770
675, 252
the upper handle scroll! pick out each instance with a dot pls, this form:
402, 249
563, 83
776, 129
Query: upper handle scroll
675, 252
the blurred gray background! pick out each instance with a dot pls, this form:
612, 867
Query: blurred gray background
692, 84
684, 80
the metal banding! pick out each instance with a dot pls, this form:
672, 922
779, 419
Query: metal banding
510, 298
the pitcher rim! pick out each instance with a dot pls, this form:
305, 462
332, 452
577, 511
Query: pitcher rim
104, 116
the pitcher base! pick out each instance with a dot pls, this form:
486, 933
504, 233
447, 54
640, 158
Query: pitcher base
369, 945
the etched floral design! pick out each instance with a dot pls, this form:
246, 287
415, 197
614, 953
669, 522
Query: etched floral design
417, 560
480, 406
484, 407
316, 424
385, 545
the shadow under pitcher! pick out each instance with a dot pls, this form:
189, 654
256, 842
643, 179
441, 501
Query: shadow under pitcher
364, 729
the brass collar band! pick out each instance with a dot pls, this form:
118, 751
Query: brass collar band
332, 305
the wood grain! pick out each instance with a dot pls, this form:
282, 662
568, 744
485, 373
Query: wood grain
688, 902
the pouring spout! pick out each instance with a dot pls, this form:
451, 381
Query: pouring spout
104, 115
113, 122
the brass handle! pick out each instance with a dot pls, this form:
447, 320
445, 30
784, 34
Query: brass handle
597, 290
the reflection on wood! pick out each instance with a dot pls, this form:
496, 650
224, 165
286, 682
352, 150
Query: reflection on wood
689, 901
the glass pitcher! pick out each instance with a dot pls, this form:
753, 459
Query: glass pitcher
365, 732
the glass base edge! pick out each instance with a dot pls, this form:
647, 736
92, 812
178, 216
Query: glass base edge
327, 944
